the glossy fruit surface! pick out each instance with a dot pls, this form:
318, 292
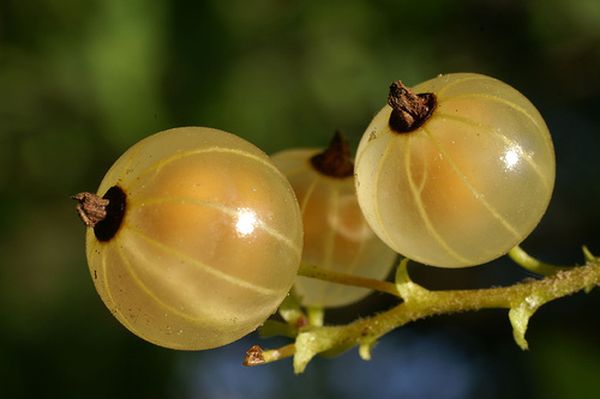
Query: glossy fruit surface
468, 184
209, 244
336, 235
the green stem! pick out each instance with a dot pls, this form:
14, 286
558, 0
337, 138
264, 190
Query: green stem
526, 261
316, 316
257, 355
523, 299
535, 293
278, 354
347, 279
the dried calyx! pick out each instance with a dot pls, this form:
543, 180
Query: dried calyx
91, 208
254, 356
410, 110
336, 160
103, 214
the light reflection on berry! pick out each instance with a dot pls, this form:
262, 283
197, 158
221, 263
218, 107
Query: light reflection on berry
246, 222
511, 157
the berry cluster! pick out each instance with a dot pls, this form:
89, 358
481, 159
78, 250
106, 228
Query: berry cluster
195, 236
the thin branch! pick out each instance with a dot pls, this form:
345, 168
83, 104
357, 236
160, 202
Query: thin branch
257, 355
523, 299
316, 315
528, 262
347, 279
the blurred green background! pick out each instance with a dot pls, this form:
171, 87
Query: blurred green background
81, 81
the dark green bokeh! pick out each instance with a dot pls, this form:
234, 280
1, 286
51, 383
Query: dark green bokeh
81, 81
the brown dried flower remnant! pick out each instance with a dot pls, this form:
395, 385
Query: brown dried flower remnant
91, 208
254, 356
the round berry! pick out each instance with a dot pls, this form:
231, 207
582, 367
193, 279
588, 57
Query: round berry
201, 238
455, 172
336, 235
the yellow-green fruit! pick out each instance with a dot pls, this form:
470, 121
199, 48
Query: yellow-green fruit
336, 235
209, 243
465, 186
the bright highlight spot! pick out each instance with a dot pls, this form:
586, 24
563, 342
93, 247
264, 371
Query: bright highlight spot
246, 222
511, 157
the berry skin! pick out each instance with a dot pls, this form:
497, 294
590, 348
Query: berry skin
207, 244
336, 235
465, 184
